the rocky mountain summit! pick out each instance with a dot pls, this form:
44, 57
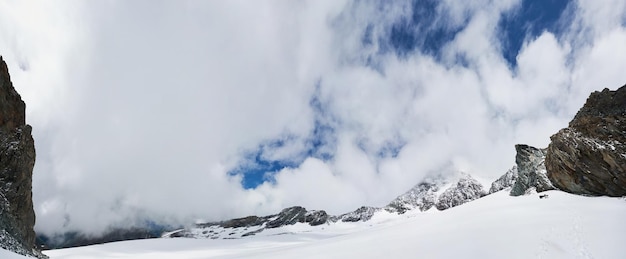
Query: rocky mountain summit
17, 159
465, 190
589, 156
438, 192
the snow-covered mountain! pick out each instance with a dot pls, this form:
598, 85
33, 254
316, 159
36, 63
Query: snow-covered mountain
495, 226
434, 192
423, 196
505, 181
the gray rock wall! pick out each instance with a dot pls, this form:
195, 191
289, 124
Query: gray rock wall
531, 171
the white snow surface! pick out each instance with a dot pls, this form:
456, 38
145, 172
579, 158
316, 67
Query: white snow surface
4, 254
495, 226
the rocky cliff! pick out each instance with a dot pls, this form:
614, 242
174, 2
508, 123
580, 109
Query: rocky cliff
531, 171
589, 156
17, 158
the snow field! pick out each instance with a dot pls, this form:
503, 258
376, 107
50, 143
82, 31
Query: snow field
496, 226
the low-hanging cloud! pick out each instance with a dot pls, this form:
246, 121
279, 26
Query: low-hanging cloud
143, 110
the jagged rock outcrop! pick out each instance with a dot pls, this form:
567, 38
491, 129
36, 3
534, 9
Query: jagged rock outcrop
251, 225
423, 196
465, 190
288, 216
17, 159
531, 171
316, 217
589, 156
363, 213
505, 181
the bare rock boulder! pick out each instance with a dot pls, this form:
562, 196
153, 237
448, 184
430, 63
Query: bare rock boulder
589, 156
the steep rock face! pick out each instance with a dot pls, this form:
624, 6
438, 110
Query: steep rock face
316, 217
12, 108
589, 156
423, 196
17, 158
363, 213
465, 190
288, 216
505, 181
531, 171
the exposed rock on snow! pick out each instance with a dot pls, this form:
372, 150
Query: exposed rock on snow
589, 157
364, 213
316, 217
465, 190
17, 158
531, 171
247, 226
288, 216
505, 181
423, 196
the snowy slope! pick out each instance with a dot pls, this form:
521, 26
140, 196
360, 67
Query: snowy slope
4, 254
495, 226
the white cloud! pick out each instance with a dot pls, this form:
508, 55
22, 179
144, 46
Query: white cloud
142, 108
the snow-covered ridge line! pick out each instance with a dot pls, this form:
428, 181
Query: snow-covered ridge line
434, 192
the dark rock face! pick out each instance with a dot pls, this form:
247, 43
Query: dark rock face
505, 181
12, 108
364, 213
589, 156
531, 171
242, 222
316, 217
465, 190
422, 196
288, 216
17, 158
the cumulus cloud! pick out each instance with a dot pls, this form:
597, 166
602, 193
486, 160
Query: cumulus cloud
143, 110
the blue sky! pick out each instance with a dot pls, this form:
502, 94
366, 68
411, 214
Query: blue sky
174, 112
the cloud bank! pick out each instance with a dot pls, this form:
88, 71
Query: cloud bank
164, 111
